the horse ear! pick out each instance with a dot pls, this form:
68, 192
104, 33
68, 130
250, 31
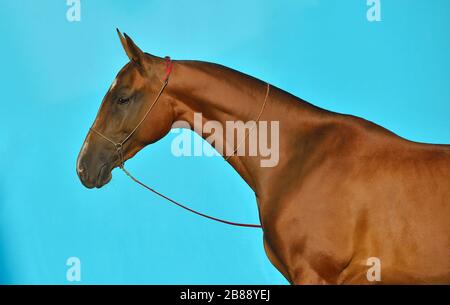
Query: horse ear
123, 41
133, 52
136, 54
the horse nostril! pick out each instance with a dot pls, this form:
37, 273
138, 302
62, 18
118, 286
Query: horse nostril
81, 171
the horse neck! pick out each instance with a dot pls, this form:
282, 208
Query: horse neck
222, 95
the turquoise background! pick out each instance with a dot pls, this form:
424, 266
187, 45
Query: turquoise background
54, 74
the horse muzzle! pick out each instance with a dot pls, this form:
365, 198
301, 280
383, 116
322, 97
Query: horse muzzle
93, 169
94, 177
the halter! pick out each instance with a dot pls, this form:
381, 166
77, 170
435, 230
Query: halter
119, 145
119, 150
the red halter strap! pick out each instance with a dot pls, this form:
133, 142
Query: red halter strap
168, 68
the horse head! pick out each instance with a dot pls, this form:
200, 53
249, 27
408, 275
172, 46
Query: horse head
120, 129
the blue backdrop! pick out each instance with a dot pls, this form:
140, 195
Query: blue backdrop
54, 73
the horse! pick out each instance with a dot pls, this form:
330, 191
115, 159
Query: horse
344, 193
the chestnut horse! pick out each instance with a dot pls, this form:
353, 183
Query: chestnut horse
344, 192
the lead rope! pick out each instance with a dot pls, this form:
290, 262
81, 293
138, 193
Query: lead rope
119, 150
185, 207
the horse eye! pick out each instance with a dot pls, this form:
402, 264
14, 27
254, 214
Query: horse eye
123, 100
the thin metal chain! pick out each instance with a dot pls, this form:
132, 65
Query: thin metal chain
119, 145
119, 150
253, 127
